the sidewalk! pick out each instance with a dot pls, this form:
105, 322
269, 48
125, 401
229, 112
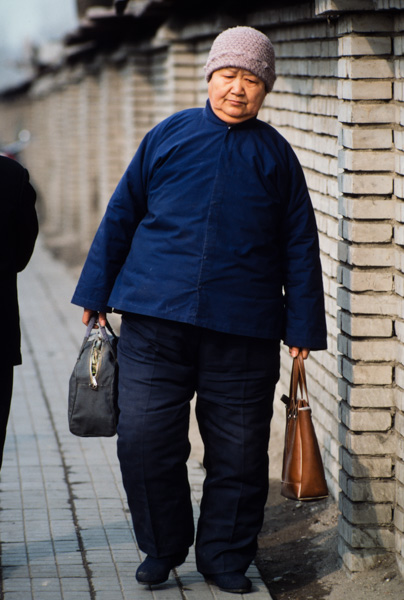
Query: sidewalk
65, 529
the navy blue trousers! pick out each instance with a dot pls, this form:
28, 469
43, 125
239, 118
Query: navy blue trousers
161, 365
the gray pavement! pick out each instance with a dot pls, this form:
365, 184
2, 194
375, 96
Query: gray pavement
65, 529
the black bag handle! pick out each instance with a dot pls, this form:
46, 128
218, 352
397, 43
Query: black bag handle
103, 332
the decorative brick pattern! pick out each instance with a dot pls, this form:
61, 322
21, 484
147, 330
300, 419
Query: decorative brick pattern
366, 298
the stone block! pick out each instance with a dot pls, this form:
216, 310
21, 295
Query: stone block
301, 49
324, 204
399, 162
355, 45
365, 420
356, 160
329, 266
365, 280
399, 391
307, 105
399, 472
366, 513
372, 374
399, 68
367, 490
398, 46
364, 90
366, 537
399, 187
400, 312
366, 139
365, 327
365, 184
400, 496
369, 304
365, 232
365, 22
363, 208
376, 351
399, 215
366, 256
337, 6
399, 423
301, 67
400, 448
399, 519
399, 264
368, 443
399, 235
353, 112
307, 87
401, 121
321, 163
365, 68
356, 560
329, 246
399, 20
398, 91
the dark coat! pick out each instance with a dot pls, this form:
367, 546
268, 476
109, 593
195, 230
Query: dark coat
212, 225
18, 232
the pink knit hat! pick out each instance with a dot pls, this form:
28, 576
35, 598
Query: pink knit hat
243, 48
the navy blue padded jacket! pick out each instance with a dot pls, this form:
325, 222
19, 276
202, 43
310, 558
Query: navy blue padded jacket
211, 225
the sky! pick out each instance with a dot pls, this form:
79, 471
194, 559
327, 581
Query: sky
23, 22
27, 23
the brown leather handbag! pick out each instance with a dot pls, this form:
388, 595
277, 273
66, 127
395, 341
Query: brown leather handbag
302, 470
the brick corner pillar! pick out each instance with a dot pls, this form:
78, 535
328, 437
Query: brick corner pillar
366, 299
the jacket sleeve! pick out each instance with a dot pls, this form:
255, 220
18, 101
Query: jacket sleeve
304, 325
19, 224
113, 239
26, 223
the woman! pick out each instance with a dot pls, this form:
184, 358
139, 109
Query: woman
209, 249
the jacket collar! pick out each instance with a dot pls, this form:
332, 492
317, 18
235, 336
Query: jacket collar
213, 118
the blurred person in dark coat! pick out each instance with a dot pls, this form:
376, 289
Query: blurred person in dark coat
18, 232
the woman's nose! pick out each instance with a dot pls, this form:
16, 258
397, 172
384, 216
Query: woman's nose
237, 87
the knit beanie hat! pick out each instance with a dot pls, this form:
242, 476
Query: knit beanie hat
243, 48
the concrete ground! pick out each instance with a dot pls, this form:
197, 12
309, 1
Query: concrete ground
65, 529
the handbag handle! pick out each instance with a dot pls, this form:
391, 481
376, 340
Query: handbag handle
104, 334
297, 380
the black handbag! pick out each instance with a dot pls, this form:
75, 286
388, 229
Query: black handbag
93, 385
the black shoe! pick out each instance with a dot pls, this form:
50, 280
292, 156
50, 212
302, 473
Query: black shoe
153, 570
235, 582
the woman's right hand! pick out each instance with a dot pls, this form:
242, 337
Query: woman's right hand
101, 317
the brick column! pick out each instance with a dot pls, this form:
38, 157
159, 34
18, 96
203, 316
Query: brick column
175, 90
368, 305
70, 190
111, 134
87, 150
399, 284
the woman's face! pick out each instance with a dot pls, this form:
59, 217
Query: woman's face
235, 94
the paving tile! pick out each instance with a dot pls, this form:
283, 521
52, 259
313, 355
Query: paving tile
16, 585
